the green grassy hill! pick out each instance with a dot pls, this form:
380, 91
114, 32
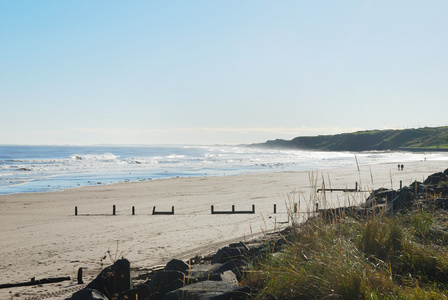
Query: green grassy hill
428, 138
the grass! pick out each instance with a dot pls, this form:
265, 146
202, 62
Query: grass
374, 257
418, 139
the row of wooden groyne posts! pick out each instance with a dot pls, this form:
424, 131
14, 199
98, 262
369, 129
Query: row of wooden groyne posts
233, 211
213, 211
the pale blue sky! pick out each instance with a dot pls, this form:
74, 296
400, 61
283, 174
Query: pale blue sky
229, 72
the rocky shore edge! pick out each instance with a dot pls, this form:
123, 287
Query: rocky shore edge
219, 276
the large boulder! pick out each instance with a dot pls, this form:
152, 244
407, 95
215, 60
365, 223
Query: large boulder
203, 272
435, 178
165, 281
236, 266
226, 254
379, 196
177, 265
114, 279
214, 272
419, 188
404, 199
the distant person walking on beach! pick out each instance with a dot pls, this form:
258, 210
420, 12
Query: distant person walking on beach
402, 167
398, 167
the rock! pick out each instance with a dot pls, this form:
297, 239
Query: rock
419, 187
441, 203
143, 291
177, 265
209, 290
240, 245
88, 294
445, 191
128, 295
435, 178
214, 272
114, 279
259, 253
403, 199
226, 254
229, 277
166, 281
379, 196
237, 266
204, 272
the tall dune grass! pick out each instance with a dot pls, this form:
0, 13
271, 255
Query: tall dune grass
399, 256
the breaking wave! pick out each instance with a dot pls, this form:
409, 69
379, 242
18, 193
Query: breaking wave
48, 168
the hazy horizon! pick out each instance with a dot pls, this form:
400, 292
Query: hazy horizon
194, 145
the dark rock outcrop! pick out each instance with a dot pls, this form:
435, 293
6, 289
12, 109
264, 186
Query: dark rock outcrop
227, 254
165, 281
114, 279
436, 178
177, 265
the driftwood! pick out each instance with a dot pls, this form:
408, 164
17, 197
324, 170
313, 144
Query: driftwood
34, 282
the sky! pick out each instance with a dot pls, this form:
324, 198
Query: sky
218, 72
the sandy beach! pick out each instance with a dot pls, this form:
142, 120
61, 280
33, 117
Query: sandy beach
41, 236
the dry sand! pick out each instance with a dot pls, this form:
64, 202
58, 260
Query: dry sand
41, 236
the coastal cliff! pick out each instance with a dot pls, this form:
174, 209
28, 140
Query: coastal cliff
420, 139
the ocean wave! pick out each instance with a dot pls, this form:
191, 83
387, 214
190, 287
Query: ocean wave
53, 168
101, 157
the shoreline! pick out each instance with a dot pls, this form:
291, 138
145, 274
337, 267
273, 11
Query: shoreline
41, 236
61, 174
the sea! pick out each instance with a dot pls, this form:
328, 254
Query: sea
29, 169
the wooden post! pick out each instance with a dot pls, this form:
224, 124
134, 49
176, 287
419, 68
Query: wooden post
233, 208
253, 208
317, 206
76, 210
356, 187
295, 208
172, 210
401, 184
153, 210
213, 211
133, 210
275, 208
80, 276
113, 210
